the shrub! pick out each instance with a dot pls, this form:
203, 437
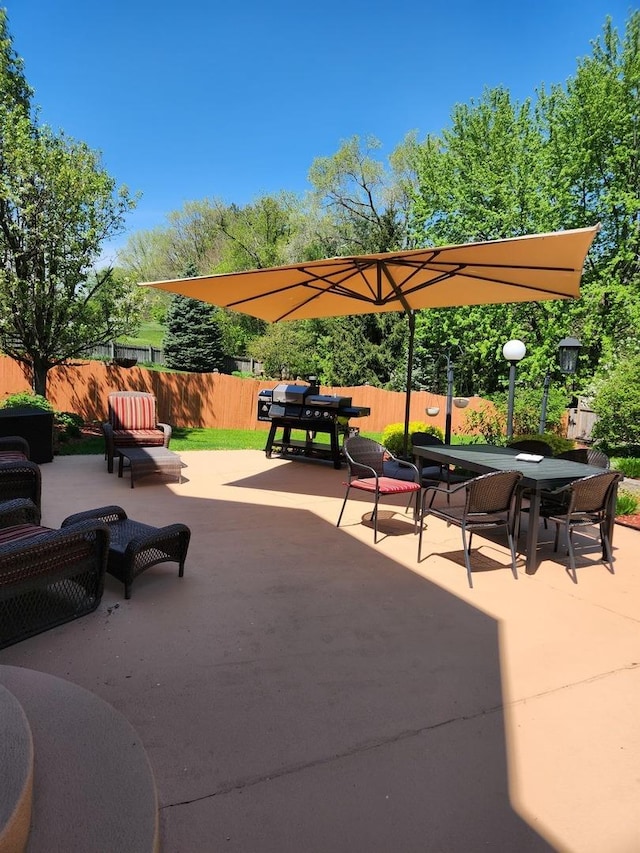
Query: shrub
617, 404
393, 435
557, 443
626, 503
630, 467
527, 408
67, 425
486, 421
26, 399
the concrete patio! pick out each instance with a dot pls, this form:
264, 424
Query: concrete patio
301, 690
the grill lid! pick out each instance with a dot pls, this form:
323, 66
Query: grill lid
325, 401
284, 393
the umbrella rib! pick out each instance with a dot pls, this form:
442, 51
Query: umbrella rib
317, 291
491, 280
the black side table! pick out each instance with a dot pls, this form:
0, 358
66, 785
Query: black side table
34, 425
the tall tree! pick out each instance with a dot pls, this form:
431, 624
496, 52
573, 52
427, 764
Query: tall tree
593, 131
365, 206
57, 206
504, 169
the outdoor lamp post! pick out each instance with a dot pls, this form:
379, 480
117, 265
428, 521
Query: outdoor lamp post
568, 351
459, 402
514, 351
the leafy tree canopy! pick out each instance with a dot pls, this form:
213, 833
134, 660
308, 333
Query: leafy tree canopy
57, 206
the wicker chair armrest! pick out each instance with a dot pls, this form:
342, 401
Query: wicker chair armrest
18, 511
102, 513
355, 472
107, 431
445, 490
139, 543
26, 474
15, 442
403, 463
167, 430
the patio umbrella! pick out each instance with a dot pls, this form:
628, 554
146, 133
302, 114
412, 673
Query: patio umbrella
520, 269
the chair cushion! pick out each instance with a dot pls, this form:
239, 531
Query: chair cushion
132, 413
12, 456
21, 531
138, 437
387, 485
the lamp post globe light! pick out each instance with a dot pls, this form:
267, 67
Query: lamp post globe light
514, 351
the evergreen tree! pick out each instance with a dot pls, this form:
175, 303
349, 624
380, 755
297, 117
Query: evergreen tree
193, 340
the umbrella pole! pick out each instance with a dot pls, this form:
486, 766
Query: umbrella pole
412, 332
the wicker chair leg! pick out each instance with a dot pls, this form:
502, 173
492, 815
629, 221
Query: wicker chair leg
572, 557
606, 547
512, 548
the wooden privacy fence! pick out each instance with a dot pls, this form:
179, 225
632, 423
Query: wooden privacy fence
210, 399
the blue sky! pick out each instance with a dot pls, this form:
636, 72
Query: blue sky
208, 99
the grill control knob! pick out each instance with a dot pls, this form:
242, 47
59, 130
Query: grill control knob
327, 414
307, 413
316, 414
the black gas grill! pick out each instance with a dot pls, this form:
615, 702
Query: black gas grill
302, 407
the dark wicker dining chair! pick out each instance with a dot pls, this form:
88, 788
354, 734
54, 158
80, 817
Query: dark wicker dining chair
552, 503
532, 445
576, 454
598, 458
366, 459
432, 472
588, 502
491, 502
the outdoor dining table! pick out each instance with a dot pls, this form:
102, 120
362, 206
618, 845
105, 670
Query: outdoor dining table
547, 474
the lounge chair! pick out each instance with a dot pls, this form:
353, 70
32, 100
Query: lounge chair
47, 576
20, 478
132, 422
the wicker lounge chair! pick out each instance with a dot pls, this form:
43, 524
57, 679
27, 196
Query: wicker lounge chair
47, 577
14, 448
20, 479
132, 422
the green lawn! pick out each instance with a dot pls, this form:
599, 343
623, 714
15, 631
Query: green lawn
187, 438
150, 335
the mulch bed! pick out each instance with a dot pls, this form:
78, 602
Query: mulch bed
629, 521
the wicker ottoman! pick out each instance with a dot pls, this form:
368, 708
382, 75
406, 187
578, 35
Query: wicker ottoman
149, 460
134, 547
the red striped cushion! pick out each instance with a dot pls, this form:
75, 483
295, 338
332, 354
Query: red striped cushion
21, 531
387, 485
137, 412
12, 456
138, 437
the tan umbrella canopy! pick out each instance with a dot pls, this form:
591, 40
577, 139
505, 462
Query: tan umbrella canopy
519, 269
